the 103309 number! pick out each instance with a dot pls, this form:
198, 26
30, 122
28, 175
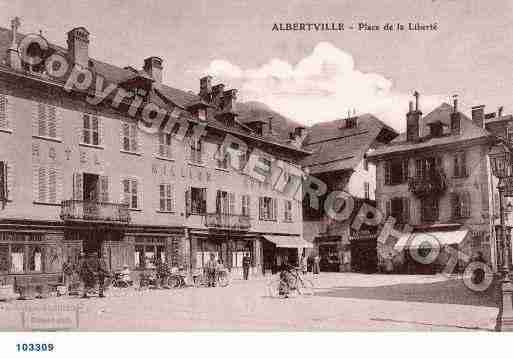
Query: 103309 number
35, 347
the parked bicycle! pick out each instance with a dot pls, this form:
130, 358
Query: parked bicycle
222, 278
290, 282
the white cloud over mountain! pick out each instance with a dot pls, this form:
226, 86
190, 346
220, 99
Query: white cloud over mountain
322, 86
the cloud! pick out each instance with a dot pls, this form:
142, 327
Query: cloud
322, 86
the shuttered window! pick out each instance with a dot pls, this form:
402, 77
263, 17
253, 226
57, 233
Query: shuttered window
129, 141
245, 207
47, 121
91, 129
461, 204
429, 209
166, 194
131, 193
4, 116
3, 182
196, 151
47, 185
396, 171
165, 149
267, 208
460, 167
196, 200
287, 210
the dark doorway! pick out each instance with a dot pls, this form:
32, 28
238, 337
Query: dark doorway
364, 255
91, 187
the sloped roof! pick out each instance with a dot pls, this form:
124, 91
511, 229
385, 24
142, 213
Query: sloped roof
164, 97
469, 131
336, 148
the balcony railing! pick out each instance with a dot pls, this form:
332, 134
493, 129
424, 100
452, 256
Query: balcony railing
95, 211
227, 221
428, 185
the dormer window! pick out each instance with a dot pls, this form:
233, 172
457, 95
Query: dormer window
202, 114
436, 129
351, 122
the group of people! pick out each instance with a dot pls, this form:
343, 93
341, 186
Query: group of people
91, 270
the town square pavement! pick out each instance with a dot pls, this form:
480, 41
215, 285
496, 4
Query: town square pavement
342, 301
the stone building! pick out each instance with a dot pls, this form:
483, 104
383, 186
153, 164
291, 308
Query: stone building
77, 177
436, 178
338, 160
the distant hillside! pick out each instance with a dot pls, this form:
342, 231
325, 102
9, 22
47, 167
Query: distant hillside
253, 110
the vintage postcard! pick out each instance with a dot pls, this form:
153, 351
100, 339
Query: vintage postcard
255, 166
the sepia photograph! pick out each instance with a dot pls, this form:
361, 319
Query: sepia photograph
255, 166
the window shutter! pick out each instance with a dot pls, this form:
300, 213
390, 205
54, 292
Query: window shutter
4, 113
9, 177
3, 181
171, 193
138, 183
231, 199
275, 208
388, 174
260, 208
204, 200
188, 202
52, 185
134, 146
466, 205
104, 189
455, 204
161, 146
78, 186
405, 170
52, 121
123, 130
42, 183
248, 204
41, 119
406, 210
464, 165
388, 208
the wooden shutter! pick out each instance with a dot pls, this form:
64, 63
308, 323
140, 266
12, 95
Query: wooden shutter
204, 200
388, 173
52, 185
41, 119
231, 205
171, 196
404, 165
104, 189
42, 184
463, 165
101, 130
406, 210
123, 132
261, 208
275, 208
466, 202
52, 121
218, 202
134, 146
161, 145
188, 201
162, 197
78, 186
388, 208
3, 181
4, 116
455, 205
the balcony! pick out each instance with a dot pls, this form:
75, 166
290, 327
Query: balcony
227, 221
75, 210
434, 184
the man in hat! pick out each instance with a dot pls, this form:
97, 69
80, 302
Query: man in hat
211, 269
87, 274
246, 262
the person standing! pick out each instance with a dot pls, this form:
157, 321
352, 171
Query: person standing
211, 269
102, 273
67, 272
87, 274
302, 264
246, 263
316, 264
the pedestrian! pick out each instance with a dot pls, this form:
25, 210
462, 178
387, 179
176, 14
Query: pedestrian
302, 264
87, 274
246, 262
211, 269
68, 270
102, 274
316, 264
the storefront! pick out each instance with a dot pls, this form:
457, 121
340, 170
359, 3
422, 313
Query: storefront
280, 249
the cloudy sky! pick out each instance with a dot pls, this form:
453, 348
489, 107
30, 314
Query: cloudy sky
308, 76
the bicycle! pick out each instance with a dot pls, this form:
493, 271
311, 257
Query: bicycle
278, 287
222, 279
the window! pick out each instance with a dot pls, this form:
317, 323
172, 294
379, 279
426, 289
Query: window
268, 208
3, 182
222, 163
460, 203
196, 201
165, 145
202, 114
46, 180
167, 197
91, 130
429, 209
288, 210
22, 253
509, 134
196, 148
426, 167
460, 168
365, 164
129, 137
147, 251
131, 193
351, 122
46, 120
225, 202
396, 171
4, 118
399, 208
246, 205
366, 190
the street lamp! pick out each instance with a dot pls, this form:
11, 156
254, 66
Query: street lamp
501, 161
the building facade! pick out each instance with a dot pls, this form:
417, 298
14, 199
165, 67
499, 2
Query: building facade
436, 179
83, 178
338, 160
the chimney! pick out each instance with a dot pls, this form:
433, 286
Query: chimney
228, 100
478, 115
153, 67
217, 93
412, 120
13, 56
205, 87
455, 117
78, 46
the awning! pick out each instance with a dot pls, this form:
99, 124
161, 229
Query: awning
426, 239
289, 241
